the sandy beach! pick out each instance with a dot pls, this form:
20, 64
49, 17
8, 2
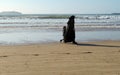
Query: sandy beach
90, 58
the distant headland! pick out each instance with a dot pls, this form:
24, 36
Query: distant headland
10, 13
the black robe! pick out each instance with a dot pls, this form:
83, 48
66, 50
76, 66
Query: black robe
70, 31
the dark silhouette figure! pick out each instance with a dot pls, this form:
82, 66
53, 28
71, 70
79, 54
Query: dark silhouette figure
64, 32
69, 31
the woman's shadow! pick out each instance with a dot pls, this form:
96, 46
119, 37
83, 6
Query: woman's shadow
82, 44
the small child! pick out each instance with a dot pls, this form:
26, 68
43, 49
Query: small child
64, 32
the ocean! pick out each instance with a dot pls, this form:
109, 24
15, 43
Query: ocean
47, 28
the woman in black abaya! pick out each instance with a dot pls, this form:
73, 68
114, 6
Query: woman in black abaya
70, 31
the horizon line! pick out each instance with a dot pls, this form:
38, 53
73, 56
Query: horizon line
58, 13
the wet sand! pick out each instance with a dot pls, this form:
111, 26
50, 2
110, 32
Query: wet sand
90, 58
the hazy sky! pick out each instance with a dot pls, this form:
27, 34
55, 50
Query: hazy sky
61, 6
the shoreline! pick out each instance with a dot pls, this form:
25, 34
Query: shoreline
58, 42
39, 37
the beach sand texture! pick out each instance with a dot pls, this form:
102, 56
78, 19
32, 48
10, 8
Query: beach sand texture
90, 58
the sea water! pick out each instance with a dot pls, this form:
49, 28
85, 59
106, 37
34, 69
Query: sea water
44, 28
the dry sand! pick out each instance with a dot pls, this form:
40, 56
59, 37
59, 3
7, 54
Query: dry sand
93, 58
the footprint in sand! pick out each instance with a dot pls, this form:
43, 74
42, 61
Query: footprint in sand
3, 56
86, 52
35, 54
61, 53
67, 53
119, 51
